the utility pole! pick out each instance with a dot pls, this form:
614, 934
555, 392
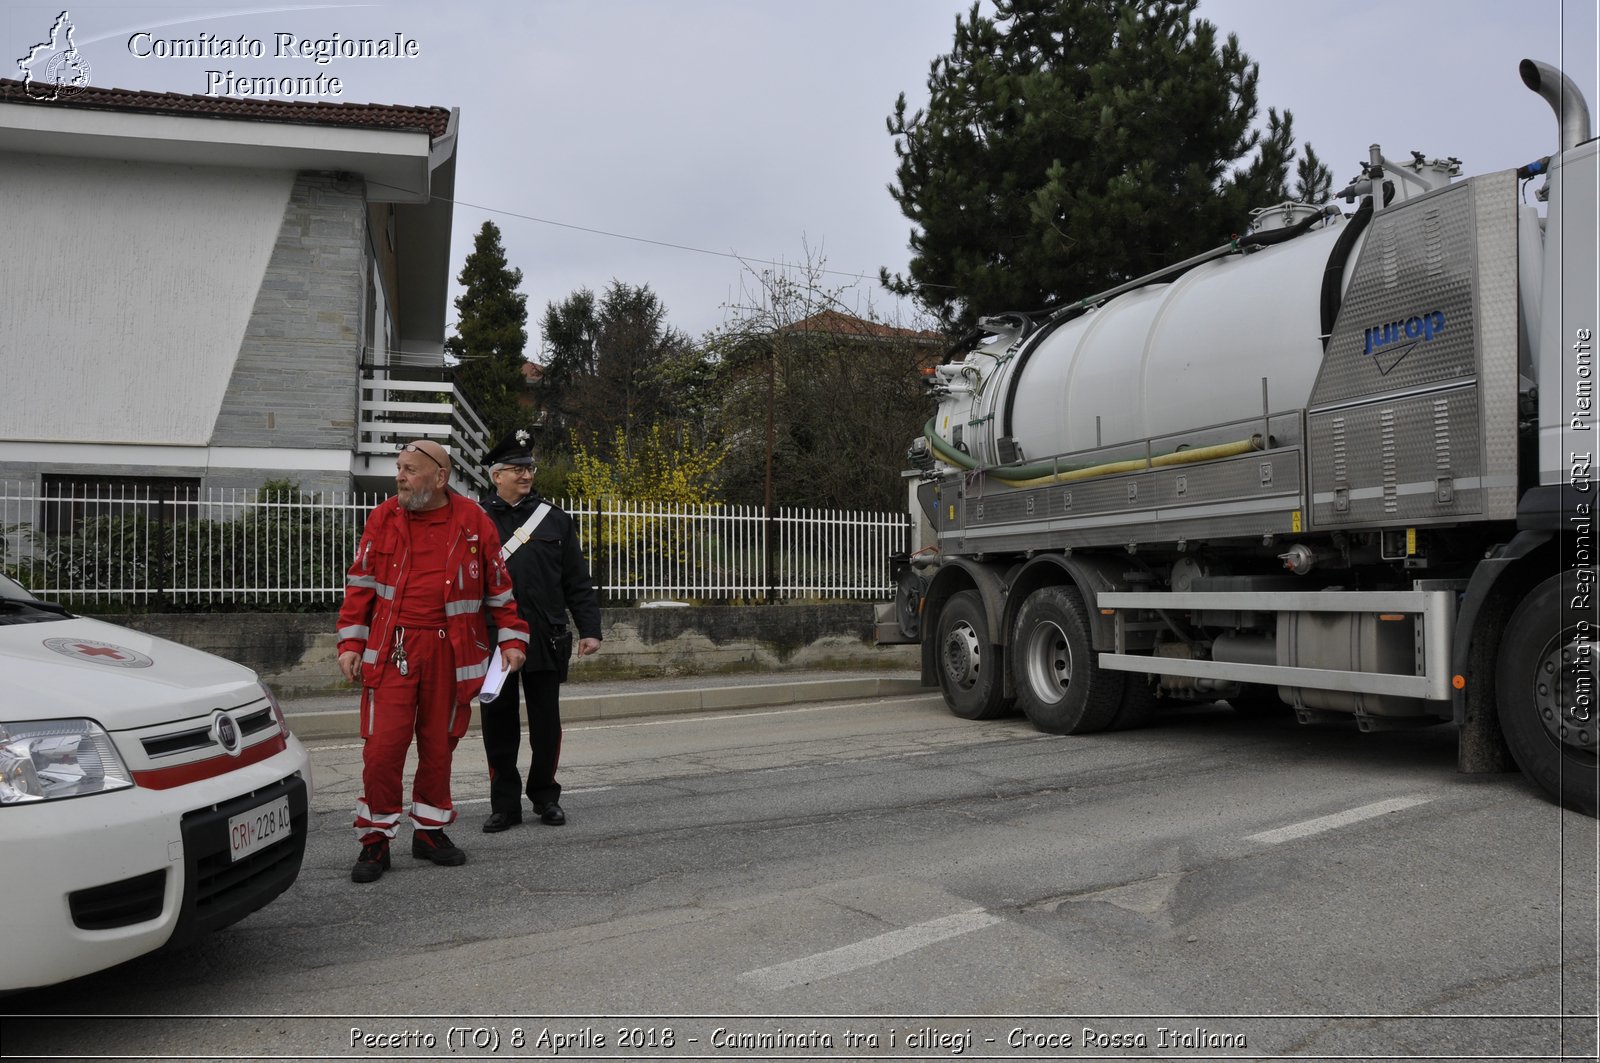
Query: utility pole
771, 526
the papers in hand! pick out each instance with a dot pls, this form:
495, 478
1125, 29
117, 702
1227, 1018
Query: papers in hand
494, 678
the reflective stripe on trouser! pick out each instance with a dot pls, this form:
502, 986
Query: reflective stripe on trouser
369, 822
421, 703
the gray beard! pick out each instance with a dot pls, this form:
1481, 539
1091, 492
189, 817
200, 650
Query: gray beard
421, 498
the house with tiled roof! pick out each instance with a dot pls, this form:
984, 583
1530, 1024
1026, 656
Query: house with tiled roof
215, 292
840, 325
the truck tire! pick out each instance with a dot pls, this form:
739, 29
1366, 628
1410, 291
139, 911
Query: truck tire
1138, 703
1545, 692
969, 666
1060, 686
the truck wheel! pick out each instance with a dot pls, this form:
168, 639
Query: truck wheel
1059, 685
1545, 692
969, 666
1138, 703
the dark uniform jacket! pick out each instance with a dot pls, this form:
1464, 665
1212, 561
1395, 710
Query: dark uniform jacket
550, 578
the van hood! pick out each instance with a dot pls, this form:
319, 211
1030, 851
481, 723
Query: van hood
113, 675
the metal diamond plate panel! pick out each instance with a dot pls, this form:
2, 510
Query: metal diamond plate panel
1432, 310
1495, 205
1408, 318
1413, 460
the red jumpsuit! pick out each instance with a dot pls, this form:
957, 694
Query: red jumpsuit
418, 591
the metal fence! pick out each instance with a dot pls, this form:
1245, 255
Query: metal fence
222, 547
651, 549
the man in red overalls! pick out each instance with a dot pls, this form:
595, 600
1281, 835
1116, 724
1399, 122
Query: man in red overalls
412, 632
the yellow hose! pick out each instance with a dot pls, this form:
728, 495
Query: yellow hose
1176, 457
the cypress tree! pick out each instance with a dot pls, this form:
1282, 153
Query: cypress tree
491, 335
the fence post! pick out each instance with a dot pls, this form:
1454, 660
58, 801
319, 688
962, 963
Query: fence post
163, 546
599, 548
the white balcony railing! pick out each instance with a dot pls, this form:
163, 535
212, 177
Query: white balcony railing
400, 404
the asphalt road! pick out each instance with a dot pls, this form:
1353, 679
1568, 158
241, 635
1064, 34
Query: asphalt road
879, 879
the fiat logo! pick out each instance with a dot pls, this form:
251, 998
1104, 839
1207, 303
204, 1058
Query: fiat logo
226, 732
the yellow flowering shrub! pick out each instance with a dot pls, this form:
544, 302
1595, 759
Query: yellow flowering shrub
651, 496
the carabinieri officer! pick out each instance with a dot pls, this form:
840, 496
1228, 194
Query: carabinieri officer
550, 578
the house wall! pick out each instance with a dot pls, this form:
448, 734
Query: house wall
126, 289
294, 382
380, 227
206, 320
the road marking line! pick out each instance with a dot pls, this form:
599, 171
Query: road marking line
668, 719
873, 950
565, 792
1338, 819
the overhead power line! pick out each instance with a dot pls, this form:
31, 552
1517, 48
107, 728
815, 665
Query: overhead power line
742, 259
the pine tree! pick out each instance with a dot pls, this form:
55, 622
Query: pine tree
1071, 145
491, 334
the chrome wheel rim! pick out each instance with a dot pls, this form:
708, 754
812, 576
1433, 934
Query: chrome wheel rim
1564, 691
963, 656
1048, 662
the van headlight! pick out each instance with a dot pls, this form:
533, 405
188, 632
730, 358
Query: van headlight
42, 760
277, 709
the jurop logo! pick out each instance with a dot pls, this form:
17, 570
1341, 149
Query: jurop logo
1382, 341
55, 69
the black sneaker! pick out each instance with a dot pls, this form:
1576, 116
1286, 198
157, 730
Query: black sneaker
433, 845
372, 863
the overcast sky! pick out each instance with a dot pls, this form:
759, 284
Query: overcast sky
755, 128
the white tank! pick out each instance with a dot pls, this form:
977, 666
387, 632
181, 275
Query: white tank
1160, 359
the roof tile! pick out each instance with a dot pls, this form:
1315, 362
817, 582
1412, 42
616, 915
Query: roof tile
431, 120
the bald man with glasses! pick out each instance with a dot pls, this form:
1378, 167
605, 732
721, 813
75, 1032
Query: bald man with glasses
412, 632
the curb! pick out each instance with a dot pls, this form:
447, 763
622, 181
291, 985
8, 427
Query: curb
342, 722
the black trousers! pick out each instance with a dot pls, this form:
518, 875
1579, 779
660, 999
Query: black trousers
502, 738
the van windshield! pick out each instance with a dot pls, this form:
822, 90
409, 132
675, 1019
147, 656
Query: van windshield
17, 606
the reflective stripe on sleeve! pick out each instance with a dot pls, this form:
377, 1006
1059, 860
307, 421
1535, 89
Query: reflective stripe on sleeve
497, 600
355, 631
472, 671
369, 582
463, 606
507, 635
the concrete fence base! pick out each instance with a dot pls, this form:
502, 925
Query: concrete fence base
295, 652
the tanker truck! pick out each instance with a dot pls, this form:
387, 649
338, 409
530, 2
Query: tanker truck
1339, 466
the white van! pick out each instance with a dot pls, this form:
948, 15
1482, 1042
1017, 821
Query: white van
149, 793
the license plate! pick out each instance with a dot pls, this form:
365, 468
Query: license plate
259, 828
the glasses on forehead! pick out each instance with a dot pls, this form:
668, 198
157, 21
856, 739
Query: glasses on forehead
412, 448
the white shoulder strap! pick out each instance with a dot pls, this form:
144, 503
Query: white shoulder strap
524, 533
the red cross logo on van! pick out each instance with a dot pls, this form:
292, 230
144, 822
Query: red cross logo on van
99, 652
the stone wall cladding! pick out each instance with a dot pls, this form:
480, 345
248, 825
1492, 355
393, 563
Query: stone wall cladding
296, 652
294, 383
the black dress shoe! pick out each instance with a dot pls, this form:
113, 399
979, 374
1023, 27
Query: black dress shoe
551, 814
499, 821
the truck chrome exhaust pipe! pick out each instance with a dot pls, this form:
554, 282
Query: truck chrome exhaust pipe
1563, 96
